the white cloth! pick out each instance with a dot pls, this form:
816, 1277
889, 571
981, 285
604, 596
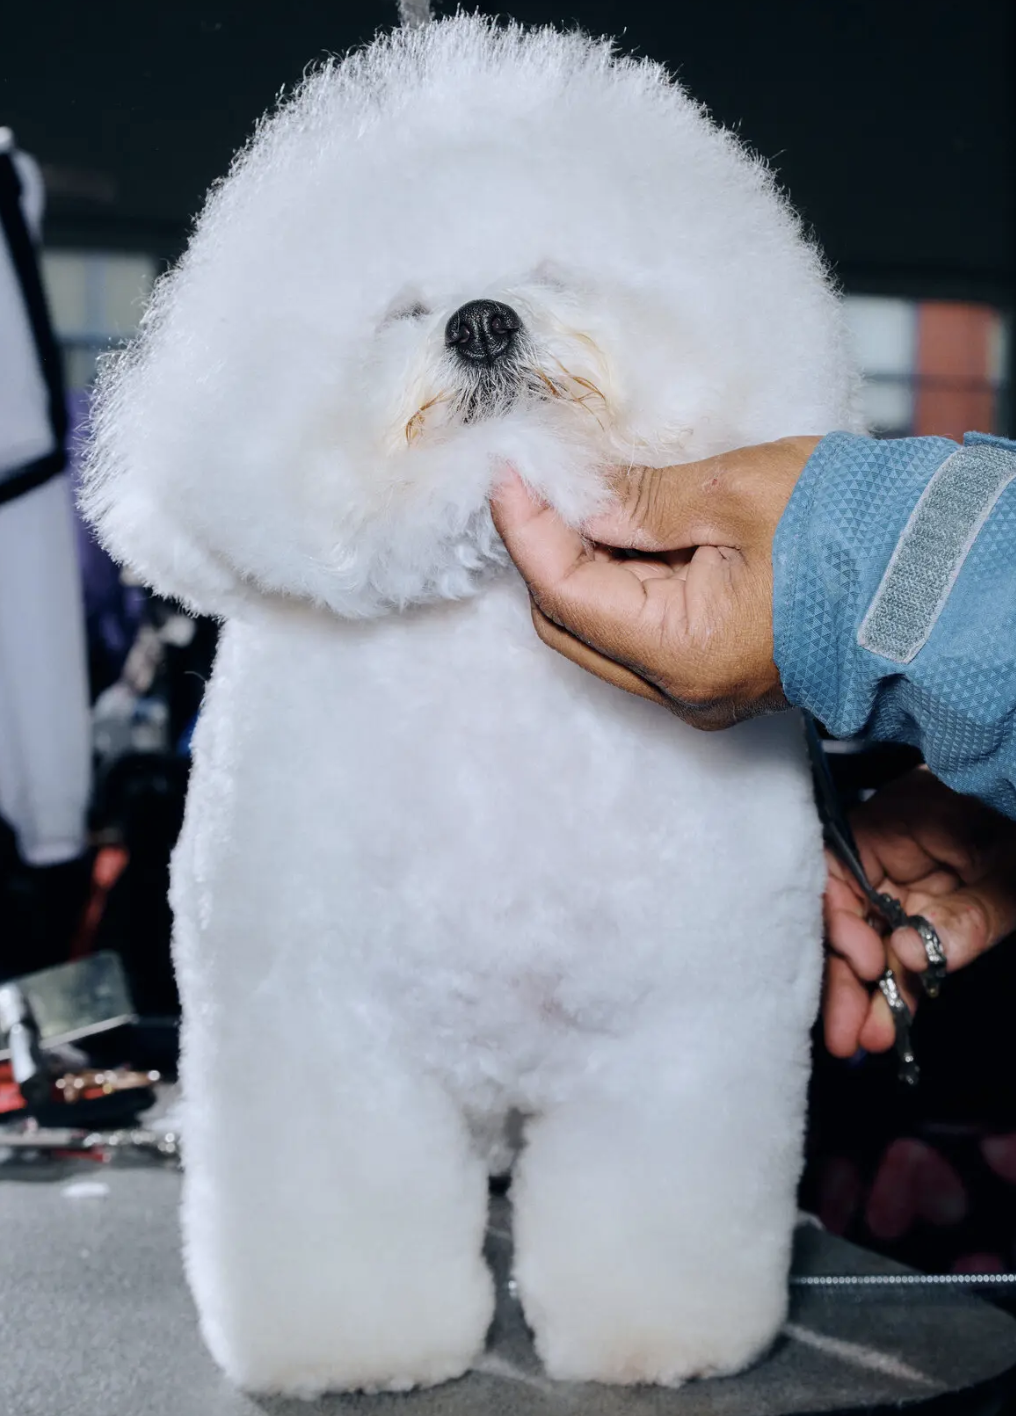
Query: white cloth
25, 431
45, 747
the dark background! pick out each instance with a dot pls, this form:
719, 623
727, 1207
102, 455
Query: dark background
891, 122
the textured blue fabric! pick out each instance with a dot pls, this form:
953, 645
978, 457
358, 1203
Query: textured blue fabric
956, 699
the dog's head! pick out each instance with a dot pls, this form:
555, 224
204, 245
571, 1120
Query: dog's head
461, 248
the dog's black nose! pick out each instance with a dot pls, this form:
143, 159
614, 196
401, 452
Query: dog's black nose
483, 331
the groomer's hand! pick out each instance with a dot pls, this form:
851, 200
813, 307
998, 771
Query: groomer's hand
942, 855
688, 621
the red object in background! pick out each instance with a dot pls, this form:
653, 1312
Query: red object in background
914, 1183
955, 378
10, 1093
110, 863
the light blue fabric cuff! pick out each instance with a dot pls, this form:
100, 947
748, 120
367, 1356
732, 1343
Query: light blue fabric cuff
894, 600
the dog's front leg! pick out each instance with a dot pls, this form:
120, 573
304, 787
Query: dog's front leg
333, 1208
654, 1209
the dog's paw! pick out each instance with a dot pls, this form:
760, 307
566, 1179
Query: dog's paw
635, 1362
629, 1349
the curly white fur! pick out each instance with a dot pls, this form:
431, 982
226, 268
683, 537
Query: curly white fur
431, 875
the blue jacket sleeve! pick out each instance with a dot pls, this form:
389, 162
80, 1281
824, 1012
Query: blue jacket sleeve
894, 600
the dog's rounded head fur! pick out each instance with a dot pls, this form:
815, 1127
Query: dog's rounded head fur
294, 419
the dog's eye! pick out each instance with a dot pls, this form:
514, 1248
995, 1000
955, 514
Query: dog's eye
549, 273
412, 310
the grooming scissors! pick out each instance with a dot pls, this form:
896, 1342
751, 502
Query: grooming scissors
840, 839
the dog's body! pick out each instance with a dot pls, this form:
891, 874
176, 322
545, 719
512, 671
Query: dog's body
433, 879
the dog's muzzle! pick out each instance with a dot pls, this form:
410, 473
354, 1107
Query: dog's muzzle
482, 333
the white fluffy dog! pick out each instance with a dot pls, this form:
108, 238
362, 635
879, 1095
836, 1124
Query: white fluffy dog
434, 879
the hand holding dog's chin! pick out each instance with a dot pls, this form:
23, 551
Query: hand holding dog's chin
690, 629
688, 647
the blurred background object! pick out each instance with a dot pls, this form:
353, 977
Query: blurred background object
44, 722
931, 366
890, 124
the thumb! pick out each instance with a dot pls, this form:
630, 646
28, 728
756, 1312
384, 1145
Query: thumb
541, 544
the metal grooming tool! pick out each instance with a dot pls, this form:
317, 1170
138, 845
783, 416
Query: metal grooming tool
43, 1011
909, 1071
840, 839
68, 1002
934, 975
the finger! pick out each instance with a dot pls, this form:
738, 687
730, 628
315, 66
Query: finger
847, 928
936, 882
857, 943
595, 600
598, 600
878, 1033
968, 921
728, 500
844, 1007
620, 612
663, 508
957, 832
707, 717
637, 613
917, 826
838, 871
596, 663
543, 546
891, 856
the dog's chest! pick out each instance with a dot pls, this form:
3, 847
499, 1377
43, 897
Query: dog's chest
509, 861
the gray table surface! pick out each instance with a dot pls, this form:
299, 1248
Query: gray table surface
95, 1320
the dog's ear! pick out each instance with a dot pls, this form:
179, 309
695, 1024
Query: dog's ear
144, 509
143, 530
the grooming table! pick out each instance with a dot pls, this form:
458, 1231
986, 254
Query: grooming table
95, 1320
